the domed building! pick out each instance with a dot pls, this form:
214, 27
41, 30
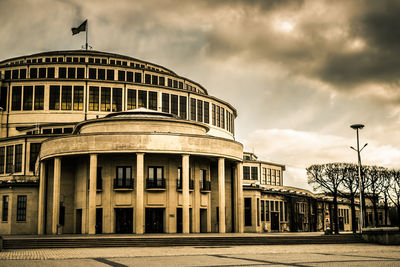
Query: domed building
93, 142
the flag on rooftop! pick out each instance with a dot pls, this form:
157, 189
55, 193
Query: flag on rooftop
79, 29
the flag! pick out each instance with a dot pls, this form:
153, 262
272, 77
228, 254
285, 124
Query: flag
81, 28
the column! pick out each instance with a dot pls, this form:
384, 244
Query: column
56, 195
221, 194
42, 199
240, 200
92, 194
185, 194
139, 223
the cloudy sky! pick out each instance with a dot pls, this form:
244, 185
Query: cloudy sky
299, 72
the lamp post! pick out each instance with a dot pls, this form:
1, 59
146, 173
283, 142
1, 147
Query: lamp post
358, 150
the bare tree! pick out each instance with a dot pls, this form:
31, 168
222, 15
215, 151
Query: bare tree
394, 194
373, 177
385, 188
350, 188
328, 178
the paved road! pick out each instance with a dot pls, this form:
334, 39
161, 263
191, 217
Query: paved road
277, 255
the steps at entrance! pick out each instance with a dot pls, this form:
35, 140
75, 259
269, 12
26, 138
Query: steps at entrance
91, 242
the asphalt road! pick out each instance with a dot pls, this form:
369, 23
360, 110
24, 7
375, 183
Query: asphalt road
276, 255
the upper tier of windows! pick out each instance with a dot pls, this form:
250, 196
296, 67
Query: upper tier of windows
87, 67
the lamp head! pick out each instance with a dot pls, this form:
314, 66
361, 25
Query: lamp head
357, 126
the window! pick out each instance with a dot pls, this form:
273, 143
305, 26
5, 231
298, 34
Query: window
105, 98
262, 210
78, 97
206, 112
278, 177
50, 72
138, 77
42, 73
69, 59
156, 177
131, 103
121, 75
22, 73
110, 75
16, 98
124, 177
7, 74
254, 173
169, 82
66, 97
264, 176
193, 109
258, 211
153, 100
2, 157
92, 73
268, 176
5, 209
222, 118
267, 210
18, 158
218, 116
71, 73
54, 103
117, 99
175, 83
9, 159
101, 74
99, 178
247, 211
273, 177
182, 107
28, 98
147, 79
174, 104
161, 81
80, 73
33, 73
21, 208
15, 74
246, 173
281, 211
213, 115
112, 61
165, 102
154, 79
93, 98
33, 154
62, 72
200, 110
203, 180
142, 99
129, 76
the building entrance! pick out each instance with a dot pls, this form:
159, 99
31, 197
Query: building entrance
99, 220
78, 226
179, 220
274, 221
155, 220
123, 221
203, 220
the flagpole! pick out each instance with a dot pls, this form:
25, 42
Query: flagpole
87, 29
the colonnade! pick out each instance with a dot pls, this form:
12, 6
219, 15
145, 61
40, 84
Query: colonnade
140, 186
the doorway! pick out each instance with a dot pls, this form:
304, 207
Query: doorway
203, 220
179, 220
99, 220
275, 221
78, 225
155, 220
123, 220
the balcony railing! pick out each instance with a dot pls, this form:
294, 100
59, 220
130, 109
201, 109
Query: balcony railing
123, 183
155, 183
179, 184
205, 186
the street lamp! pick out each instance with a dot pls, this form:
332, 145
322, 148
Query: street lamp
358, 150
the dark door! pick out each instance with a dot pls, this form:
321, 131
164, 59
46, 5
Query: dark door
203, 220
123, 220
78, 226
154, 220
274, 221
179, 220
99, 220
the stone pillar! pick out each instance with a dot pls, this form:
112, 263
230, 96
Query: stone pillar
139, 222
240, 200
92, 194
42, 199
185, 195
196, 199
56, 195
221, 194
